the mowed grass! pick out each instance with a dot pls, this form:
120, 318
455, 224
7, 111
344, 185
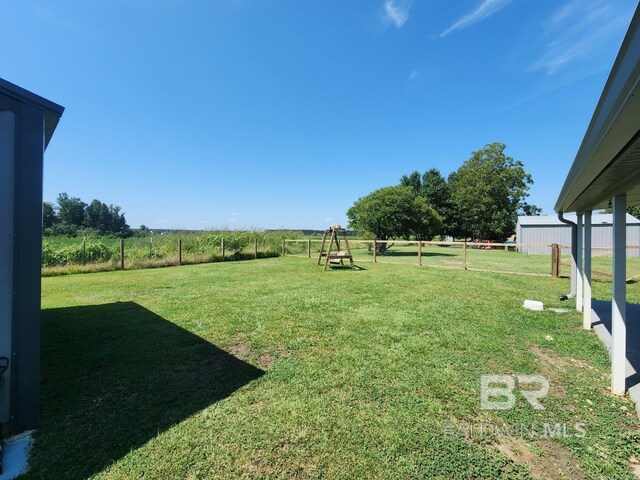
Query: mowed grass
274, 369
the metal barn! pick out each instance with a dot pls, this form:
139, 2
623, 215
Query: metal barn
27, 122
542, 231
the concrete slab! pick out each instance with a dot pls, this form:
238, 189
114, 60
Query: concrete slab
15, 455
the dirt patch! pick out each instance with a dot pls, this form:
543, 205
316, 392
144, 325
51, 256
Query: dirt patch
548, 361
265, 361
553, 460
239, 350
634, 465
551, 366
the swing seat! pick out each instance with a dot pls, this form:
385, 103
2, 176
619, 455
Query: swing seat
339, 255
335, 257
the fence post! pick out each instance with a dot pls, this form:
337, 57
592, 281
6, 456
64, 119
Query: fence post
122, 254
84, 251
179, 251
464, 255
420, 253
283, 248
150, 247
223, 249
555, 260
309, 247
375, 251
255, 248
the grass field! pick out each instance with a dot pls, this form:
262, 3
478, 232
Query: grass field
273, 369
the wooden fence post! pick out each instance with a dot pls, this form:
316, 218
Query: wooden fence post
283, 248
555, 260
255, 248
122, 254
375, 251
223, 249
84, 251
420, 254
150, 247
309, 247
179, 251
464, 255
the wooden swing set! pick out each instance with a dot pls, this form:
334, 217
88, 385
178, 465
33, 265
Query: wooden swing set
338, 256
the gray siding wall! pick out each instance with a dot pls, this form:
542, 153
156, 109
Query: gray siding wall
27, 250
548, 234
7, 135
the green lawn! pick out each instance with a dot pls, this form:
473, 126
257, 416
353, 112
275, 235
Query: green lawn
274, 369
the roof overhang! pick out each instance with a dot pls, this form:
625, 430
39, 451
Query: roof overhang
608, 161
52, 111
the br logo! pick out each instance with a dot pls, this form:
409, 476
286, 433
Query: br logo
497, 391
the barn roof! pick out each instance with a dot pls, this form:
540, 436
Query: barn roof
52, 111
596, 219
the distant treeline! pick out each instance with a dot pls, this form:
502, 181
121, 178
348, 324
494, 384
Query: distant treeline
70, 216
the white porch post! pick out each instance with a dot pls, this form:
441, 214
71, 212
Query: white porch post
618, 303
586, 274
579, 263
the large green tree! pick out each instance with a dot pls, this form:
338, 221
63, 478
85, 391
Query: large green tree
412, 180
71, 210
437, 193
432, 186
49, 216
394, 212
487, 192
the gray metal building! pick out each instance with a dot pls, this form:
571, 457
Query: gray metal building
547, 229
27, 122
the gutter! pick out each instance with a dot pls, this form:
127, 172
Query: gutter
574, 256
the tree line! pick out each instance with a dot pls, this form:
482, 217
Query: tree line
70, 216
482, 199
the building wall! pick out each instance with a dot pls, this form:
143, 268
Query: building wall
27, 252
7, 154
561, 234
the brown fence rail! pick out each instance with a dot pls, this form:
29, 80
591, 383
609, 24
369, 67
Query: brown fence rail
493, 257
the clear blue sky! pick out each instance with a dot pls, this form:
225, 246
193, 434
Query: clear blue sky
260, 113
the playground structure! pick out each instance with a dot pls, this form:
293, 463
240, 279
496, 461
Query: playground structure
339, 256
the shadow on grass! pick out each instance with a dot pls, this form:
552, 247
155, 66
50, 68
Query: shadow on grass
115, 376
603, 311
391, 253
356, 267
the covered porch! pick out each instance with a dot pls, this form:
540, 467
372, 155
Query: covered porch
606, 174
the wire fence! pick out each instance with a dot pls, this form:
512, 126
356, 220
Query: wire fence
508, 258
74, 255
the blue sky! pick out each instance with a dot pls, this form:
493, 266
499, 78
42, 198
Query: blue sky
268, 114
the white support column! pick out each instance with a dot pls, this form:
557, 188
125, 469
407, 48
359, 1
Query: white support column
618, 303
586, 273
579, 263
